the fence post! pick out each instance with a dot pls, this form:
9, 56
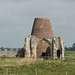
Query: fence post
66, 72
35, 71
7, 71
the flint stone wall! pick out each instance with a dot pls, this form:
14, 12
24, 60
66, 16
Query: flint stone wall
11, 53
56, 43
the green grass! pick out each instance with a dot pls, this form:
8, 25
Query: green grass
23, 66
11, 61
45, 67
70, 54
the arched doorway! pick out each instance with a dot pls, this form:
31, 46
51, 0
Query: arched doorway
43, 49
58, 53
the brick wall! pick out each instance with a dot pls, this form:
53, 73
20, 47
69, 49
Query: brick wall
42, 28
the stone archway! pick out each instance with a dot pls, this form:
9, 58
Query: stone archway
42, 49
45, 51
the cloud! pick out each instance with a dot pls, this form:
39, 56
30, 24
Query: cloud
68, 0
17, 16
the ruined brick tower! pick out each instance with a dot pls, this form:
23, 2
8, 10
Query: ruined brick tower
42, 28
42, 43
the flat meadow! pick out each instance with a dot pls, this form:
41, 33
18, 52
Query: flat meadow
70, 54
31, 66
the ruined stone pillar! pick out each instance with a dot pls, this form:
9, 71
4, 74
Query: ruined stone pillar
52, 48
62, 48
62, 57
51, 53
34, 52
27, 47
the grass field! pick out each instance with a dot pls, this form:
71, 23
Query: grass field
44, 67
70, 54
8, 61
27, 66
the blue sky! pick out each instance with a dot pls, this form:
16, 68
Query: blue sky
17, 16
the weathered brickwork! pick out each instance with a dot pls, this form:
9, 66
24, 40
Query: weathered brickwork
42, 47
42, 28
42, 43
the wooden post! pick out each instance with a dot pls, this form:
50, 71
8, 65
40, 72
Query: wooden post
66, 72
35, 71
7, 71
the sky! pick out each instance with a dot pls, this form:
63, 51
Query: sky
17, 17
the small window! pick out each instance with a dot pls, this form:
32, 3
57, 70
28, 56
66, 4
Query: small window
43, 50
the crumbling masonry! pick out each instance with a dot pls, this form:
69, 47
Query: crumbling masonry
41, 43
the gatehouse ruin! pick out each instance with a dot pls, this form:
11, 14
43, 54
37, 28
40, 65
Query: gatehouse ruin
42, 43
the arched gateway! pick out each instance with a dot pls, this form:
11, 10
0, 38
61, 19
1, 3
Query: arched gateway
43, 48
42, 43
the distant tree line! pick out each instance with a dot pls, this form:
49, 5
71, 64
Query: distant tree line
66, 48
70, 48
2, 48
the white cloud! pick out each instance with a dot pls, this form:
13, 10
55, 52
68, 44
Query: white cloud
17, 16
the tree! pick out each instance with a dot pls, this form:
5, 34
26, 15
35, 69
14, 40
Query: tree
2, 48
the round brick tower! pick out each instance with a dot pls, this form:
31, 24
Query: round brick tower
42, 28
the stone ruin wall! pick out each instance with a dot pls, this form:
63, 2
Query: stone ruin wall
31, 43
11, 53
8, 53
59, 45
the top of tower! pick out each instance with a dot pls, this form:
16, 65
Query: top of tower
43, 18
42, 28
